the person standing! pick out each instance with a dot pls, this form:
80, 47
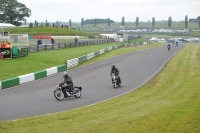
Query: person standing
76, 39
39, 41
52, 41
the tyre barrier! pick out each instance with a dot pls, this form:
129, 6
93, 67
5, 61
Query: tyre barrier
76, 61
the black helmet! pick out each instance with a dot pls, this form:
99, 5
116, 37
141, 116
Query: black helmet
65, 75
113, 66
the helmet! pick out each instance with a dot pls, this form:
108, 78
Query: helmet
65, 75
113, 66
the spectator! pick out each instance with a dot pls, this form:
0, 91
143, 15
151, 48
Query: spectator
39, 41
52, 41
75, 39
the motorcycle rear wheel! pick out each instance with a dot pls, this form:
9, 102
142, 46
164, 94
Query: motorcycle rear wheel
59, 95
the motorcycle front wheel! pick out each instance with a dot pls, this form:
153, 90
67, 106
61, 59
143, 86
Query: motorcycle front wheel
59, 95
77, 92
114, 85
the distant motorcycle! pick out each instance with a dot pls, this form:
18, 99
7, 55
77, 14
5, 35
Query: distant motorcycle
168, 47
59, 95
115, 80
176, 43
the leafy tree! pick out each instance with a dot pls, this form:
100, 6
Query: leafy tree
95, 22
153, 22
82, 22
24, 21
170, 22
70, 23
108, 22
13, 12
46, 23
186, 21
199, 23
137, 21
35, 22
123, 21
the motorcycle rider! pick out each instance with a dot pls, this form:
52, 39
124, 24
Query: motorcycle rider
168, 46
67, 83
116, 72
176, 43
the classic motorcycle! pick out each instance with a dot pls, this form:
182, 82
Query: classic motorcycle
115, 80
59, 95
176, 43
168, 47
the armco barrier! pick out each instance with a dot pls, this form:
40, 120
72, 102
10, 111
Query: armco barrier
50, 71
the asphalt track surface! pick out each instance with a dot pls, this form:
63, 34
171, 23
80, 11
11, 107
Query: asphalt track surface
36, 98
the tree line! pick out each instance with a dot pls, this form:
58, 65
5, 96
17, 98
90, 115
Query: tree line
13, 12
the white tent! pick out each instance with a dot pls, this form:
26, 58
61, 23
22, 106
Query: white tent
6, 25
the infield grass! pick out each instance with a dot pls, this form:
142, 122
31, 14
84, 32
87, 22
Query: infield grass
169, 103
45, 59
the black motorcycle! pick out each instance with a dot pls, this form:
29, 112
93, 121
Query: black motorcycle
115, 80
176, 43
59, 95
168, 47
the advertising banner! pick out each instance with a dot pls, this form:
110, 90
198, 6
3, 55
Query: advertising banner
7, 53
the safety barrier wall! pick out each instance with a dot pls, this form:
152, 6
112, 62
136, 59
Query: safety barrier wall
50, 71
31, 76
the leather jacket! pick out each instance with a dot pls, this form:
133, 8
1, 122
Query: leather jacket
69, 81
115, 71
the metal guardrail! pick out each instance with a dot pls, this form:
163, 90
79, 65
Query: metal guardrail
63, 45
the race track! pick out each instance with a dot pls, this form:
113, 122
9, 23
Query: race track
36, 98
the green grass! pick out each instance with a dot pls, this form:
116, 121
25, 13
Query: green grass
169, 103
44, 59
139, 40
51, 31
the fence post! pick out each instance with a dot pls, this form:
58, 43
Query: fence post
37, 48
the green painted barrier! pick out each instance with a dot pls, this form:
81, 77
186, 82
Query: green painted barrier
61, 68
10, 82
40, 74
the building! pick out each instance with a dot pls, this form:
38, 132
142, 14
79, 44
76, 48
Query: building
6, 25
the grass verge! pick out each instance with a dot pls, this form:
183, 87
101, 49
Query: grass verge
169, 103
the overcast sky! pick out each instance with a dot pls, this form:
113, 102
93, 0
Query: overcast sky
63, 10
